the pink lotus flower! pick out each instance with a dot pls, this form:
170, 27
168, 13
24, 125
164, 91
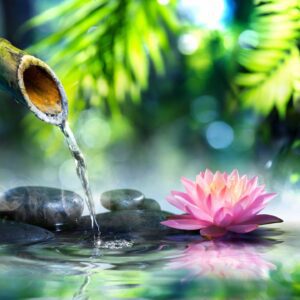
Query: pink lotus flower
220, 202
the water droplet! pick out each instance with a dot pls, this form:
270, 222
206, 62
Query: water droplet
268, 164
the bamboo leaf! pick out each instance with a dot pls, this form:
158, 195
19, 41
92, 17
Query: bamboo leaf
273, 64
109, 40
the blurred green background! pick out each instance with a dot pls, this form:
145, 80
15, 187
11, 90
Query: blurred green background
159, 89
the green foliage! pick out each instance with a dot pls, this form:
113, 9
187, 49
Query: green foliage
269, 56
103, 49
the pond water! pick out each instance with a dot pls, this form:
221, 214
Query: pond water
261, 265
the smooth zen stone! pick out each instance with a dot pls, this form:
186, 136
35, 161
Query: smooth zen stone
141, 222
19, 233
122, 199
8, 205
47, 207
149, 204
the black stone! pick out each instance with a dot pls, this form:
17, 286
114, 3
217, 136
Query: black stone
47, 207
121, 199
19, 233
149, 204
142, 222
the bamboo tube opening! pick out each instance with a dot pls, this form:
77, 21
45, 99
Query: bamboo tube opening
42, 90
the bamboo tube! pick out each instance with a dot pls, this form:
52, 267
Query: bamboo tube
33, 83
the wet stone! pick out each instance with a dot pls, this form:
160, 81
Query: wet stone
121, 199
47, 207
149, 204
18, 233
131, 222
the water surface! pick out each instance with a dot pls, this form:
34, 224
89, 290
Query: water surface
265, 265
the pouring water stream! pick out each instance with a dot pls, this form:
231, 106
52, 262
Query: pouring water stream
81, 170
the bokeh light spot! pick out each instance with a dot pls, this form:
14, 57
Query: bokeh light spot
163, 2
188, 44
248, 39
219, 135
99, 133
94, 130
212, 14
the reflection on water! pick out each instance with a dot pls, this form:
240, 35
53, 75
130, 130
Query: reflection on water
223, 259
178, 267
80, 294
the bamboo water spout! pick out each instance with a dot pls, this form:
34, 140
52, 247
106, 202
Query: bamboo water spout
33, 83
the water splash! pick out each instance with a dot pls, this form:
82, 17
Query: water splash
114, 244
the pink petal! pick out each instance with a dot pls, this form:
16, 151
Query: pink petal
255, 207
248, 198
200, 195
245, 200
252, 184
213, 231
242, 228
203, 184
179, 200
265, 198
184, 216
178, 203
188, 182
222, 217
185, 224
237, 210
243, 183
182, 195
198, 213
225, 175
257, 192
208, 176
234, 176
263, 219
218, 180
201, 174
224, 193
224, 199
208, 203
189, 185
181, 203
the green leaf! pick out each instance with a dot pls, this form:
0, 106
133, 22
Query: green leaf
270, 68
109, 40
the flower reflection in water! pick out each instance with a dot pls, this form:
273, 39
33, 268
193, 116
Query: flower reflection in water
219, 259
